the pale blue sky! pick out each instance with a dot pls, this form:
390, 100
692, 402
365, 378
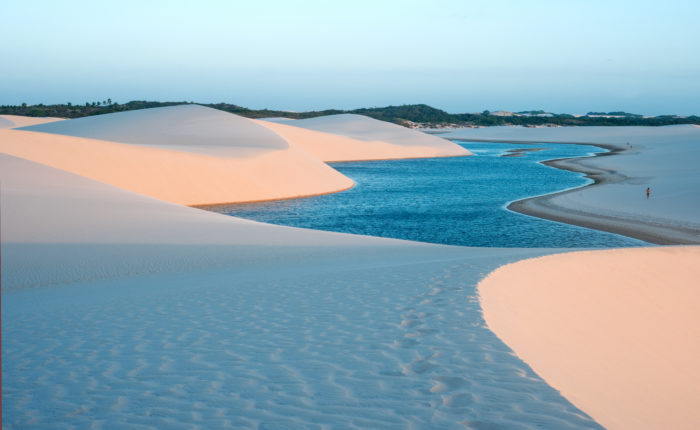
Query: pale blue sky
462, 56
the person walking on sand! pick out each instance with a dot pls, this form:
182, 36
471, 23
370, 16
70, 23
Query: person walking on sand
648, 192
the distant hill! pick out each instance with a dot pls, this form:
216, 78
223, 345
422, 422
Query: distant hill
615, 114
419, 115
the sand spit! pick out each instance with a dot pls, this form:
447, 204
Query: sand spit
187, 154
350, 137
616, 331
14, 121
664, 159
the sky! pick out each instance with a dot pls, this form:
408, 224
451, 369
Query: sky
563, 56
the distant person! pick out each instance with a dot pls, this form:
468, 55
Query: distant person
648, 192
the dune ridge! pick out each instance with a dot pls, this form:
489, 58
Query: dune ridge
198, 156
349, 137
15, 121
185, 154
187, 128
177, 176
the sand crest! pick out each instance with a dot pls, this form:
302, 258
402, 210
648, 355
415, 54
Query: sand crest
350, 137
187, 154
194, 155
14, 121
177, 176
616, 331
187, 128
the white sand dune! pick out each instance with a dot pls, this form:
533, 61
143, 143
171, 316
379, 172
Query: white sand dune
187, 154
617, 332
188, 128
662, 158
121, 310
610, 135
14, 121
349, 137
44, 206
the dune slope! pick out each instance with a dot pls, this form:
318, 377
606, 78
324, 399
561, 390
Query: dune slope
616, 331
349, 137
183, 154
121, 310
14, 121
188, 128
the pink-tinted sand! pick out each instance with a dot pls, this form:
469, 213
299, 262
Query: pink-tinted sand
616, 331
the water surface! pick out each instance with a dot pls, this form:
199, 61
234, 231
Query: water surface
456, 201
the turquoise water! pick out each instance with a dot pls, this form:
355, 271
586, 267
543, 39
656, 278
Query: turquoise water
456, 201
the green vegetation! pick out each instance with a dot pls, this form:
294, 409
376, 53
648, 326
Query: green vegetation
409, 115
69, 110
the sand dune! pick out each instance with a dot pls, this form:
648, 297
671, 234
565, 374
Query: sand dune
126, 311
617, 332
188, 128
177, 176
184, 154
608, 135
44, 206
350, 137
193, 155
13, 121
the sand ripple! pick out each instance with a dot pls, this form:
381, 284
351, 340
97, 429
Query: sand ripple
400, 347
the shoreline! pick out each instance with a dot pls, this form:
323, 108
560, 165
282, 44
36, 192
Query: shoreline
658, 233
610, 146
205, 206
398, 158
543, 207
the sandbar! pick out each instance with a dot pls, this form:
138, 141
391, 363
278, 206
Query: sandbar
663, 159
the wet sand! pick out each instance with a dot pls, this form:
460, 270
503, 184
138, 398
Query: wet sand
648, 231
661, 158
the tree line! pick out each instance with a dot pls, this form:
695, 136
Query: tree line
412, 115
